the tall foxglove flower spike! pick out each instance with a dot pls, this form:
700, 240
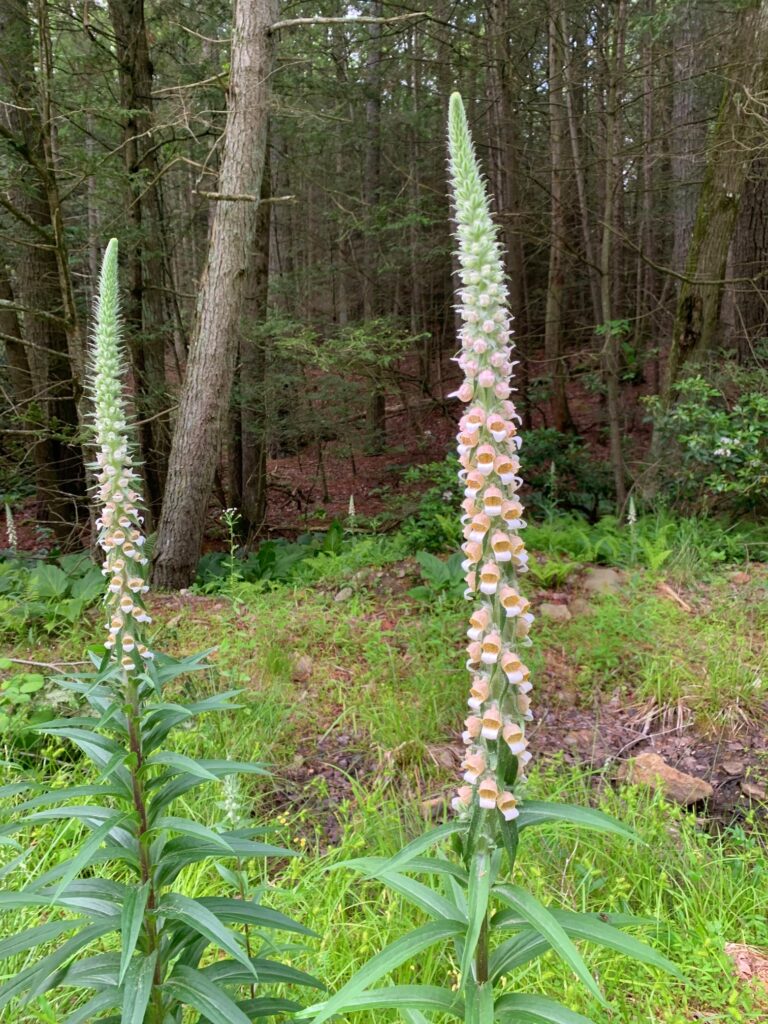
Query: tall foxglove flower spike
120, 521
488, 444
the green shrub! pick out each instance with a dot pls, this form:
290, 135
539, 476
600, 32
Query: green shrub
562, 474
275, 561
716, 444
431, 522
50, 596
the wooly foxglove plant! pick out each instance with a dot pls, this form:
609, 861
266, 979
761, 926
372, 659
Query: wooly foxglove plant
135, 950
481, 906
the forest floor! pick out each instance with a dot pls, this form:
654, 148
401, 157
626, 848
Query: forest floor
353, 692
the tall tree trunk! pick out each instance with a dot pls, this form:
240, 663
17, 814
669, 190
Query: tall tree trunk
371, 189
43, 287
688, 127
25, 403
592, 266
749, 293
147, 316
253, 377
608, 257
645, 274
207, 385
553, 327
695, 331
505, 175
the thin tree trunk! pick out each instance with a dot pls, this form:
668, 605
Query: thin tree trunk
505, 174
593, 270
376, 425
54, 349
608, 257
147, 313
553, 327
253, 377
688, 128
207, 385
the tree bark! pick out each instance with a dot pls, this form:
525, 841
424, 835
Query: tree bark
553, 327
207, 385
54, 352
688, 127
749, 293
147, 315
376, 425
505, 175
695, 330
608, 257
253, 378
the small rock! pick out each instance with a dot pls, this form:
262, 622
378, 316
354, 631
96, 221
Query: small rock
603, 580
751, 964
580, 606
302, 669
733, 767
555, 612
652, 770
753, 790
344, 594
579, 738
739, 578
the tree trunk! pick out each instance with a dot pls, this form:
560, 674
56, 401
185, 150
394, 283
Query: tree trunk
553, 327
207, 385
376, 421
749, 293
147, 317
695, 331
253, 374
688, 127
608, 257
505, 175
54, 352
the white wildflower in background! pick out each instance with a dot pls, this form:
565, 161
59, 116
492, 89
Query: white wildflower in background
488, 445
631, 511
10, 529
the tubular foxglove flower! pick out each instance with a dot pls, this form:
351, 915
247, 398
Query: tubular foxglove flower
488, 444
120, 522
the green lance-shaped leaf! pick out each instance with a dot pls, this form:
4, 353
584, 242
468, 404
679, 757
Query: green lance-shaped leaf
535, 812
131, 921
138, 989
200, 919
522, 1009
539, 918
589, 927
387, 960
429, 998
477, 907
87, 850
192, 988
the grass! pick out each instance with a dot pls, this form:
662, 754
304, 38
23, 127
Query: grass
388, 672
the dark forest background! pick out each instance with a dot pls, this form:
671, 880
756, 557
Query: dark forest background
290, 353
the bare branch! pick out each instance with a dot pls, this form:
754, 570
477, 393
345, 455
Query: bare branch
7, 304
243, 197
350, 20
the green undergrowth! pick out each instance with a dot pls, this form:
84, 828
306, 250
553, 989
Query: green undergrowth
386, 671
707, 889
